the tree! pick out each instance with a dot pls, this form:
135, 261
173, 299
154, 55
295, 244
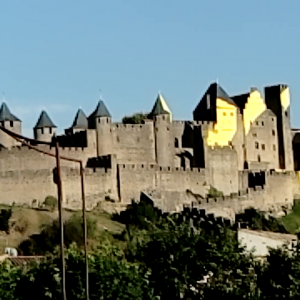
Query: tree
136, 118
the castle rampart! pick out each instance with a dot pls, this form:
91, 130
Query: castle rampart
233, 145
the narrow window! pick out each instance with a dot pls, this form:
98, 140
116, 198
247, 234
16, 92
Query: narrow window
273, 132
262, 123
11, 124
208, 101
263, 147
256, 123
258, 158
256, 145
99, 120
50, 130
42, 130
224, 113
176, 143
274, 147
118, 139
286, 114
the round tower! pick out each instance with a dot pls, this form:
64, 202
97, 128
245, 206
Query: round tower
44, 128
10, 122
164, 143
100, 120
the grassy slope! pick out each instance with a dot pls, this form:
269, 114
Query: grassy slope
292, 220
37, 218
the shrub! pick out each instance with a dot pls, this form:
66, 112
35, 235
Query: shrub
51, 203
214, 193
49, 237
5, 216
137, 118
22, 225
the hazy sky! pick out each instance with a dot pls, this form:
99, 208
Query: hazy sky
57, 55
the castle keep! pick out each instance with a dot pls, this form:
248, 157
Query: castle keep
242, 146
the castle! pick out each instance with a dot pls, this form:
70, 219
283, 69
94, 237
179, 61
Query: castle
242, 146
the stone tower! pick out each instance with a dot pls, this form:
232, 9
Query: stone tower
278, 100
100, 120
164, 142
10, 122
44, 128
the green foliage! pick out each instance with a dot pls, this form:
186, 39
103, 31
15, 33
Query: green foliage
214, 193
49, 237
165, 257
5, 215
51, 203
110, 277
292, 220
136, 118
140, 215
258, 221
22, 225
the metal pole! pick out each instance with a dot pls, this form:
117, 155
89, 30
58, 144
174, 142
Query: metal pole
61, 223
84, 232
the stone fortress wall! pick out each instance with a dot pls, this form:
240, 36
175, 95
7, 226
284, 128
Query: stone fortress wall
231, 145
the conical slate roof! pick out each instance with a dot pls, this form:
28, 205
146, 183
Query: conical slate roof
160, 107
80, 120
6, 115
100, 111
44, 121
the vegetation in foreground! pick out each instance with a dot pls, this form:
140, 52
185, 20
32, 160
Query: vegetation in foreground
161, 258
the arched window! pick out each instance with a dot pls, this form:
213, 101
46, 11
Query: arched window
176, 143
256, 145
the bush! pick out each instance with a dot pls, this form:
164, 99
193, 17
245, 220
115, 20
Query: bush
22, 225
5, 216
137, 118
51, 203
214, 193
49, 237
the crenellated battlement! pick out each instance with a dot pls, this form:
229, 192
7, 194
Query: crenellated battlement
130, 127
203, 123
153, 167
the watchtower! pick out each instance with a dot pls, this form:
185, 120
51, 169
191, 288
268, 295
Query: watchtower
100, 120
12, 123
164, 142
44, 128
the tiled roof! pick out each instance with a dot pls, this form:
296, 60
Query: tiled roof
6, 115
44, 121
80, 120
24, 260
100, 111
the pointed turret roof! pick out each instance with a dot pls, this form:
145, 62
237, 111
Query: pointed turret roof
100, 111
221, 94
44, 121
6, 115
160, 107
80, 120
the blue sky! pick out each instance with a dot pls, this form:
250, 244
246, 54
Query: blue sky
57, 55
